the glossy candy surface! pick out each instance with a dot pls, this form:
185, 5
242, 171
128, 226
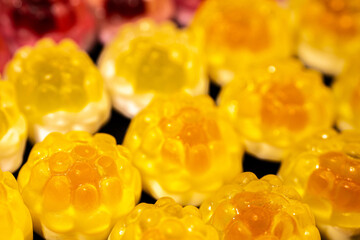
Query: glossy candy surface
58, 88
329, 32
325, 170
13, 129
184, 148
146, 60
275, 105
161, 221
239, 33
259, 209
23, 22
77, 186
15, 219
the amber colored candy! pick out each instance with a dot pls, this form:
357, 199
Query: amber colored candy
259, 209
58, 88
163, 220
237, 34
13, 129
325, 170
78, 186
275, 105
148, 59
184, 148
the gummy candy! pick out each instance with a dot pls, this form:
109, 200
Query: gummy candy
259, 209
4, 53
240, 33
113, 14
15, 219
275, 105
147, 60
329, 32
347, 93
24, 22
324, 169
58, 88
185, 10
184, 148
161, 221
13, 129
77, 186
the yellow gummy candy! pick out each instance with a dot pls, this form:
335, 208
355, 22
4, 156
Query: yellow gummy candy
184, 148
162, 221
259, 209
78, 185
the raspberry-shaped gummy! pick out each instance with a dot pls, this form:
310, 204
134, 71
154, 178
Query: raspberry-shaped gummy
13, 129
78, 186
58, 88
329, 32
239, 33
163, 220
24, 22
184, 148
325, 170
147, 59
275, 105
259, 209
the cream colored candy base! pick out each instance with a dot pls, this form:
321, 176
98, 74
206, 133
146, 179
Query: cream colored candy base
335, 233
90, 119
12, 146
264, 151
324, 62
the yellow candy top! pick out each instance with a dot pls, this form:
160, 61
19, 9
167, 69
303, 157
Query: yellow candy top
15, 219
89, 181
253, 208
184, 139
325, 169
239, 33
151, 58
163, 220
9, 111
278, 103
50, 78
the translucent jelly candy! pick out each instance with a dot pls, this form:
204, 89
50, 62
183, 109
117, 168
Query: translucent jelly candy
147, 60
13, 129
325, 169
59, 88
77, 186
184, 148
163, 220
4, 53
259, 209
185, 10
239, 33
15, 219
329, 32
23, 22
275, 105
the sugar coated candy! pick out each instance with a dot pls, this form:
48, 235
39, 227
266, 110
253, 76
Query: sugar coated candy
184, 148
259, 209
15, 219
325, 170
77, 186
240, 33
275, 105
58, 88
24, 22
161, 221
13, 129
329, 32
147, 59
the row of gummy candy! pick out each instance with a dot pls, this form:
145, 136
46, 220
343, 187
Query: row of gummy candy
77, 186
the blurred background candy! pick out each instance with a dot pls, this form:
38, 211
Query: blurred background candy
5, 54
184, 148
58, 88
77, 186
148, 59
185, 10
13, 129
